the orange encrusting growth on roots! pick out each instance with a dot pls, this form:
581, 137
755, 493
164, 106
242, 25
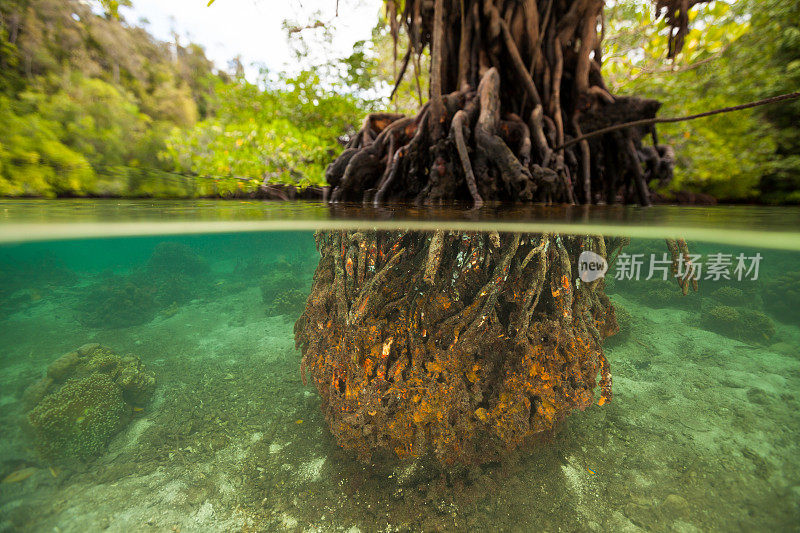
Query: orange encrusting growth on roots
468, 362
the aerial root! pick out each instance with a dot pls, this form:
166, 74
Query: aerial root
464, 149
682, 268
461, 146
388, 157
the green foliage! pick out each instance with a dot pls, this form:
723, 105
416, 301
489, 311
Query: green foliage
93, 118
285, 134
87, 102
34, 161
413, 88
111, 7
779, 27
91, 105
730, 57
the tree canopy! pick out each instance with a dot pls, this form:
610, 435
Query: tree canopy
92, 105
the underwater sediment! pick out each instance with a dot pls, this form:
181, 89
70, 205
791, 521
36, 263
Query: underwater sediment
460, 344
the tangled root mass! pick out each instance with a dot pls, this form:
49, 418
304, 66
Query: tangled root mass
460, 344
511, 81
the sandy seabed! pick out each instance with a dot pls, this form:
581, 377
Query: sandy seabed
702, 435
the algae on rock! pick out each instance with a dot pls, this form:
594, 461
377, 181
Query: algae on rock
173, 275
284, 290
174, 258
781, 295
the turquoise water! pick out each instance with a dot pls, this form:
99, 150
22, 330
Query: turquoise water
215, 430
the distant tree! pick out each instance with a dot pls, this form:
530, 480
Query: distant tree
720, 66
285, 133
34, 161
93, 87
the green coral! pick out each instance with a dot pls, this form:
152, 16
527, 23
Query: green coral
654, 293
79, 420
174, 258
137, 384
174, 274
667, 294
284, 291
743, 324
276, 283
85, 398
128, 372
730, 296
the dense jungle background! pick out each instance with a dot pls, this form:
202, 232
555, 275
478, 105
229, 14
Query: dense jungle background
91, 104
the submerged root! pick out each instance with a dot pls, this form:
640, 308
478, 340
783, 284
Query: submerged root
464, 345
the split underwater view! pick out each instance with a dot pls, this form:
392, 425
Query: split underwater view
247, 366
359, 266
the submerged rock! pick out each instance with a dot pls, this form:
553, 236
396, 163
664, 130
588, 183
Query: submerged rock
118, 302
675, 506
742, 324
127, 372
781, 295
284, 290
731, 296
625, 323
174, 258
288, 302
86, 397
174, 275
